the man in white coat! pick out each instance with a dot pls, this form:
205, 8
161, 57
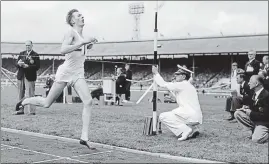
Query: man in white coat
183, 120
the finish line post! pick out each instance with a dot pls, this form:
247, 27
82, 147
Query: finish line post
155, 87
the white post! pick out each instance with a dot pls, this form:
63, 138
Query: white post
64, 95
155, 87
144, 94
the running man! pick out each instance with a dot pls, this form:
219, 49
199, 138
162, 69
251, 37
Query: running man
71, 72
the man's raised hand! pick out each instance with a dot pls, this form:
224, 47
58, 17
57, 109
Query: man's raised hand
154, 69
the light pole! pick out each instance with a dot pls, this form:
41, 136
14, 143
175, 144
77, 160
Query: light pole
136, 9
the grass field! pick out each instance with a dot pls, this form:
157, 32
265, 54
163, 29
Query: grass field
122, 126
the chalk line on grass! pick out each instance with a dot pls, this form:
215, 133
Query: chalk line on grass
38, 152
83, 155
33, 151
49, 160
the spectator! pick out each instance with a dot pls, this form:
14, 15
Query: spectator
255, 117
265, 77
120, 85
265, 69
237, 100
28, 65
265, 65
49, 83
129, 75
252, 67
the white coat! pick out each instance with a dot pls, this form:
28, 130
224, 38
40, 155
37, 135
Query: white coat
186, 97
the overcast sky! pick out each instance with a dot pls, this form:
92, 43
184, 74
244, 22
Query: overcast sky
45, 21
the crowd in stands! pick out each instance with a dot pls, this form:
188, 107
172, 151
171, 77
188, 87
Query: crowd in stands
205, 76
93, 71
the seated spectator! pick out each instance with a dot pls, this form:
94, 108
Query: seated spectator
255, 117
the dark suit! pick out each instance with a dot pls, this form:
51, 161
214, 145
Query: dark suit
258, 119
245, 92
266, 80
260, 108
129, 75
27, 76
29, 73
120, 87
236, 102
266, 83
120, 84
255, 64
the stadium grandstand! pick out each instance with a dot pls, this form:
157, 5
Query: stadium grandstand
209, 57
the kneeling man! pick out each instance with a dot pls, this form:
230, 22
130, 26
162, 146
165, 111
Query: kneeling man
183, 120
255, 117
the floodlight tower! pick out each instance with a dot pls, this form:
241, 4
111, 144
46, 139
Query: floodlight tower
136, 9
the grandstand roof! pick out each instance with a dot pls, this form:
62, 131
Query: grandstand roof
206, 45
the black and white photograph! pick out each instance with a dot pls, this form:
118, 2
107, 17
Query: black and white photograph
134, 82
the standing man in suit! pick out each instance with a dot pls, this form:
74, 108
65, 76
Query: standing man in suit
237, 100
255, 117
252, 67
28, 64
129, 75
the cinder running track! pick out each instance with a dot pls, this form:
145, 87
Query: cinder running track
20, 148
